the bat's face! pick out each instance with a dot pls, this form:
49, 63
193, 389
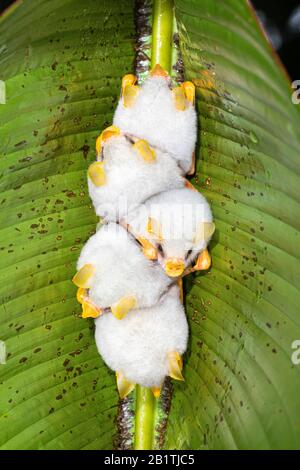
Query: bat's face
177, 251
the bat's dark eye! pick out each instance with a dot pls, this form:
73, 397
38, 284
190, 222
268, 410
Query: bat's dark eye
189, 253
130, 139
160, 249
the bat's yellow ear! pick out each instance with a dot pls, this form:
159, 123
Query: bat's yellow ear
179, 98
96, 173
203, 261
128, 79
84, 276
189, 91
175, 365
154, 228
129, 90
204, 232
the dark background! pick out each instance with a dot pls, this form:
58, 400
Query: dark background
281, 19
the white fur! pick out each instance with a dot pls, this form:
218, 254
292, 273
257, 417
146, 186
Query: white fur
130, 180
179, 213
153, 117
138, 345
121, 269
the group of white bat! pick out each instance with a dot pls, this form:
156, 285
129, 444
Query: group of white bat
155, 229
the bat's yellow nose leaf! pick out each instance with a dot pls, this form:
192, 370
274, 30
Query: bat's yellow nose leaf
96, 173
174, 267
124, 386
175, 365
179, 98
123, 306
203, 261
84, 276
144, 149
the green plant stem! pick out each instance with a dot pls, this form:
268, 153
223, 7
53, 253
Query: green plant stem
162, 33
145, 412
161, 53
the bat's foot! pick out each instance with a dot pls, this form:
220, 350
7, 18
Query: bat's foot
96, 173
111, 131
174, 267
175, 365
84, 276
144, 150
123, 306
124, 386
156, 391
203, 261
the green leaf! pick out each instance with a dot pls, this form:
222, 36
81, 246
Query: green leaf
61, 61
241, 389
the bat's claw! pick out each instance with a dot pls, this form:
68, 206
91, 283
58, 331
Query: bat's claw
124, 386
175, 365
123, 306
84, 276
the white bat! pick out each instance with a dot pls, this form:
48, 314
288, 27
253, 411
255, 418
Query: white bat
146, 346
114, 275
128, 172
165, 117
178, 225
